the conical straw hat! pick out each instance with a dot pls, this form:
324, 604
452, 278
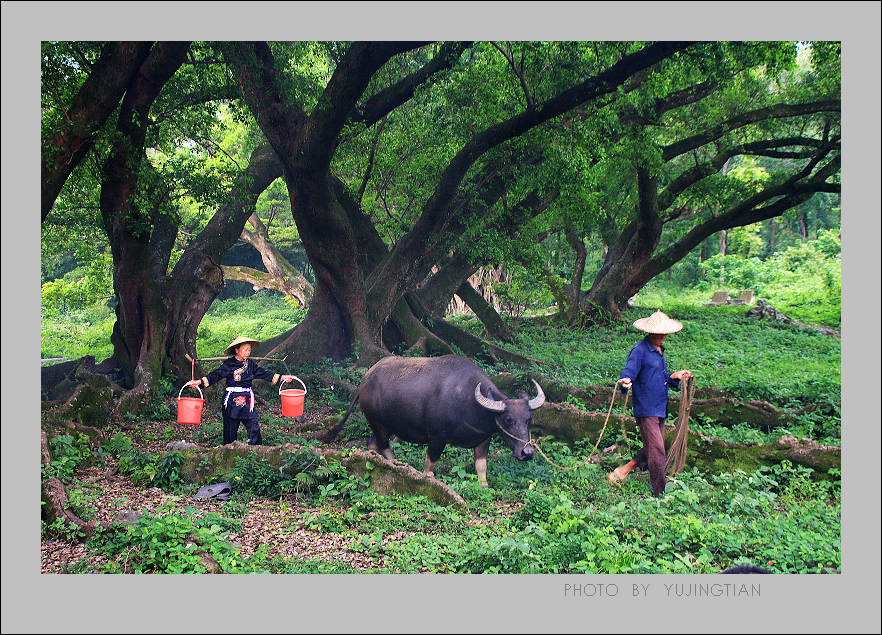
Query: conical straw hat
658, 323
230, 350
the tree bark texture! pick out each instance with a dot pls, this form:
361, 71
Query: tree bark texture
64, 148
158, 312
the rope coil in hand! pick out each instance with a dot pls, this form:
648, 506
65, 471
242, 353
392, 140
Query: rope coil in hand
675, 460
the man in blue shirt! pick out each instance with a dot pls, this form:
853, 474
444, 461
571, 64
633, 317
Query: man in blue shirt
647, 372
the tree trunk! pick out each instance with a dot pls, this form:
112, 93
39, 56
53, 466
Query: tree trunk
574, 291
631, 252
281, 275
721, 241
159, 312
802, 218
494, 324
140, 254
436, 291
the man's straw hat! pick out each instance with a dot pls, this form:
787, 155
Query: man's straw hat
231, 349
658, 323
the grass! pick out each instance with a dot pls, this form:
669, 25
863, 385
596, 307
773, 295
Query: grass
749, 358
261, 316
77, 333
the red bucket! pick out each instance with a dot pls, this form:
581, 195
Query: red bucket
190, 408
292, 400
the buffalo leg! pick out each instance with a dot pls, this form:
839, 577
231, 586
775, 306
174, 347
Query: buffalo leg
481, 462
433, 453
379, 442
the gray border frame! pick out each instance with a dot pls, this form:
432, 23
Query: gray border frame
35, 603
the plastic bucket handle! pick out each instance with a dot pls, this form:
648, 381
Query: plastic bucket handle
196, 387
190, 408
298, 380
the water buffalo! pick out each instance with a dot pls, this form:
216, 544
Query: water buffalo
441, 400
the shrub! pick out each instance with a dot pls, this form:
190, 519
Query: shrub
68, 452
171, 543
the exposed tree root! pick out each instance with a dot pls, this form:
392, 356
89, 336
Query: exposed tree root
201, 465
56, 504
474, 346
568, 423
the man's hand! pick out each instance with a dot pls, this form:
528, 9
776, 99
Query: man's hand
625, 382
681, 374
287, 378
193, 382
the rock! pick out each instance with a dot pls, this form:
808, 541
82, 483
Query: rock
176, 446
127, 516
90, 404
200, 465
155, 490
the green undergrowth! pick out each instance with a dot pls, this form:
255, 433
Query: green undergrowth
534, 518
751, 359
574, 522
170, 541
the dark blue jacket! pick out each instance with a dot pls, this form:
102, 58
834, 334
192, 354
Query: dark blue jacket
651, 380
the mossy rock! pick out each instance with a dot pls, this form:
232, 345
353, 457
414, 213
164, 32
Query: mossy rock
389, 477
200, 465
569, 424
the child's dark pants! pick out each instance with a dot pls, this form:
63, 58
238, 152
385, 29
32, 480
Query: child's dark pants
231, 428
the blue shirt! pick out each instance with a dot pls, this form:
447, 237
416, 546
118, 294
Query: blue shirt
651, 380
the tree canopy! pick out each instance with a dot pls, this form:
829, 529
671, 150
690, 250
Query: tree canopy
402, 167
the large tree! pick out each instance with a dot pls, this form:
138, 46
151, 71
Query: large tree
169, 99
360, 282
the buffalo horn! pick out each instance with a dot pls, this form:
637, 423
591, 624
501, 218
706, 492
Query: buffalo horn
539, 399
489, 404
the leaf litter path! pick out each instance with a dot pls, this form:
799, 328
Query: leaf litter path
275, 523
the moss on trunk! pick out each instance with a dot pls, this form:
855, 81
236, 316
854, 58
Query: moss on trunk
202, 465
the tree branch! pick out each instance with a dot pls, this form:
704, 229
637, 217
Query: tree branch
398, 271
63, 149
777, 111
385, 101
335, 105
788, 194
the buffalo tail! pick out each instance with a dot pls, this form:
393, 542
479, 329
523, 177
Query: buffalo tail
333, 432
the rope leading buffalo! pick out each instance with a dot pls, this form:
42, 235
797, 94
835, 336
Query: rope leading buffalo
438, 401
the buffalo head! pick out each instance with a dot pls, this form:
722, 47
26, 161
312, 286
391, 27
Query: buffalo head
513, 418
